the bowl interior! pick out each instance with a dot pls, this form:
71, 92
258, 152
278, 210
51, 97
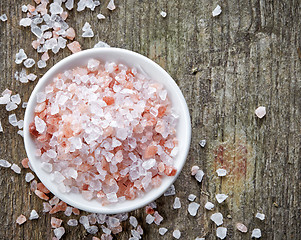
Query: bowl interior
145, 66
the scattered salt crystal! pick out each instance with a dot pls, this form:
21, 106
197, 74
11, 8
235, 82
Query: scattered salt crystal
149, 219
260, 112
176, 234
16, 99
29, 62
55, 8
41, 97
133, 221
37, 31
72, 222
111, 6
92, 229
177, 203
69, 4
256, 233
221, 172
20, 56
221, 197
21, 133
194, 170
74, 47
199, 175
46, 207
163, 14
16, 168
12, 119
47, 167
221, 232
24, 8
41, 64
55, 200
68, 211
84, 221
191, 197
29, 177
33, 215
40, 124
209, 205
170, 191
11, 106
25, 22
162, 231
202, 143
3, 17
59, 232
1, 128
217, 218
21, 219
260, 216
4, 163
31, 77
56, 222
217, 11
101, 44
100, 16
193, 208
241, 227
5, 99
61, 42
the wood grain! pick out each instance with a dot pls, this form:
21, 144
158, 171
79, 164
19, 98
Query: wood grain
226, 67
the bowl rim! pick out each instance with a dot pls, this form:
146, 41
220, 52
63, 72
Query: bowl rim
40, 173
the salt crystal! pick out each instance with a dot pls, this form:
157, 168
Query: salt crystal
20, 56
176, 234
163, 14
33, 215
199, 175
111, 6
170, 191
209, 205
59, 232
55, 8
69, 4
221, 172
46, 207
61, 42
24, 8
37, 31
88, 33
4, 163
74, 47
29, 62
1, 128
84, 221
221, 232
41, 64
221, 197
40, 124
11, 106
200, 238
21, 133
256, 233
133, 221
162, 231
149, 219
241, 227
25, 22
21, 219
16, 168
3, 17
194, 170
93, 64
16, 99
101, 44
193, 208
47, 167
5, 99
260, 112
149, 164
100, 16
177, 203
112, 197
217, 11
202, 143
260, 216
68, 211
217, 218
92, 229
12, 119
29, 177
191, 197
72, 222
31, 77
54, 201
56, 222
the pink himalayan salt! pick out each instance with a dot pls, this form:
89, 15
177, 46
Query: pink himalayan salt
56, 222
24, 162
35, 44
64, 15
70, 33
74, 47
75, 211
241, 227
42, 188
110, 177
45, 56
41, 195
21, 219
60, 207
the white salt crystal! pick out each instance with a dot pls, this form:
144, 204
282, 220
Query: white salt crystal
20, 56
149, 164
84, 221
25, 22
191, 197
209, 205
58, 177
29, 62
47, 167
4, 163
133, 221
40, 124
69, 4
176, 234
59, 232
221, 232
29, 177
149, 219
12, 119
24, 104
202, 143
260, 216
5, 99
170, 191
31, 77
41, 97
16, 168
163, 14
199, 175
21, 133
46, 207
217, 218
100, 16
101, 44
256, 233
24, 8
193, 208
194, 170
3, 17
51, 153
86, 26
260, 112
93, 64
33, 215
112, 197
72, 222
55, 8
177, 203
41, 64
1, 128
16, 99
11, 106
162, 231
221, 197
221, 172
92, 229
88, 33
217, 11
37, 31
111, 6
200, 238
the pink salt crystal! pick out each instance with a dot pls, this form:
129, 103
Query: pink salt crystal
158, 218
45, 56
42, 188
35, 44
41, 195
75, 211
149, 210
150, 152
24, 163
74, 47
70, 33
60, 207
241, 227
21, 219
64, 15
194, 170
53, 201
56, 222
33, 185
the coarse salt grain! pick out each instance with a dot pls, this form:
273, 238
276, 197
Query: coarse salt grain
202, 143
72, 222
199, 175
221, 172
193, 208
16, 168
191, 197
33, 215
256, 233
3, 17
194, 170
221, 197
176, 234
162, 231
221, 232
177, 203
149, 219
163, 14
56, 222
217, 11
241, 227
21, 219
260, 216
217, 218
111, 5
260, 112
29, 62
170, 191
59, 232
209, 205
100, 16
29, 177
20, 56
133, 221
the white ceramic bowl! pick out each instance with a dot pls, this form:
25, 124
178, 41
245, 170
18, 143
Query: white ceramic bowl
154, 71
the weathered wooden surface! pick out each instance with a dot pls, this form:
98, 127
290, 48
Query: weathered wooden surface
226, 67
